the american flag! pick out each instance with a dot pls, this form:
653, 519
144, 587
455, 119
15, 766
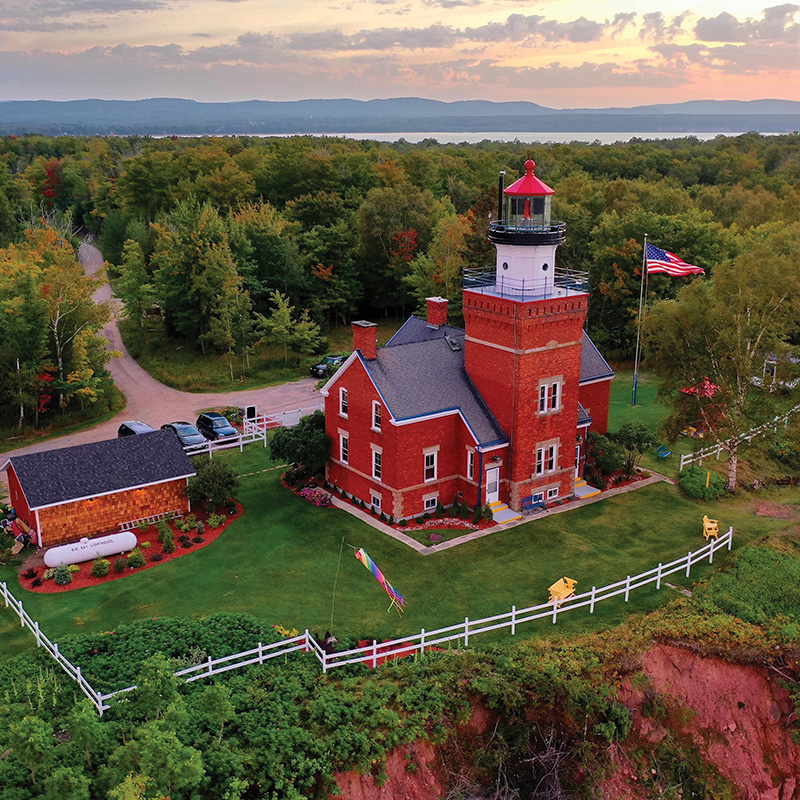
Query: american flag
659, 260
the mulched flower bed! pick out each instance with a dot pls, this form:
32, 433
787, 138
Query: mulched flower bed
83, 578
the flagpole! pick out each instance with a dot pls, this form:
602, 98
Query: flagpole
639, 322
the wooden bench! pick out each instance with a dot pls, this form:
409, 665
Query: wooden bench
561, 590
710, 528
529, 507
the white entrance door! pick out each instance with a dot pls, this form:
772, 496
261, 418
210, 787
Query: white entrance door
577, 461
493, 485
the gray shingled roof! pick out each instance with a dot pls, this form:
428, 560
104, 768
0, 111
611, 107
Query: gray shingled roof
593, 365
87, 470
426, 377
416, 329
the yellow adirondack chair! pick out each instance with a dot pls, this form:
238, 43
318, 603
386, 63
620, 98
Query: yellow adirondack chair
710, 528
561, 590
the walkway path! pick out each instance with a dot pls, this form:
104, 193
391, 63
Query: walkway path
153, 402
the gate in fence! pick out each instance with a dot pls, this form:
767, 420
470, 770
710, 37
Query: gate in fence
379, 652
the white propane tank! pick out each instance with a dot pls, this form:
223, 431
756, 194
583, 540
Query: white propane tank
89, 549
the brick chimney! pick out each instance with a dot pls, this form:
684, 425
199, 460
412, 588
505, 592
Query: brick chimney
437, 311
365, 338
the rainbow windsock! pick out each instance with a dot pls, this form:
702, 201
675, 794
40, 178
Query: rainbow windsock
397, 598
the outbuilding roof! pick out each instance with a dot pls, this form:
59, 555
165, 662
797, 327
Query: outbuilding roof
74, 473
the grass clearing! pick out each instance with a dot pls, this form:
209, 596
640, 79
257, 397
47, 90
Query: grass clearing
279, 561
176, 363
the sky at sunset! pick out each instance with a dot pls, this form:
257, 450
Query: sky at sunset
565, 54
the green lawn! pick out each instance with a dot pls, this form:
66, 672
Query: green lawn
279, 562
177, 363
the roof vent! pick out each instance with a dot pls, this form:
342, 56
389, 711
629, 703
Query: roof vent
453, 342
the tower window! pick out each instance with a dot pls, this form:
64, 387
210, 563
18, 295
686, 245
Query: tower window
343, 402
430, 466
545, 267
550, 395
505, 265
546, 459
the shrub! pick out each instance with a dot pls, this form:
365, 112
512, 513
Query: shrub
439, 510
62, 575
167, 542
100, 567
146, 545
187, 544
49, 573
215, 520
403, 523
198, 539
391, 520
73, 568
426, 516
419, 520
213, 482
164, 530
157, 557
120, 564
142, 525
693, 482
319, 497
136, 558
201, 529
36, 582
606, 455
29, 573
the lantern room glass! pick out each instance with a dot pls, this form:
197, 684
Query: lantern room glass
529, 213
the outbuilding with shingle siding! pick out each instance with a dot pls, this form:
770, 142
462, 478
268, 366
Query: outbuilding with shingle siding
72, 492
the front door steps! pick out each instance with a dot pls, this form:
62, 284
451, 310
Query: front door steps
583, 490
502, 513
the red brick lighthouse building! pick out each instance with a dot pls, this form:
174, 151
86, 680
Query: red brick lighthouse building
496, 413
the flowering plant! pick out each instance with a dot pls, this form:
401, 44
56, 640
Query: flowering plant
319, 497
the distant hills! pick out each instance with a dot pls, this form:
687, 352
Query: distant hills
166, 116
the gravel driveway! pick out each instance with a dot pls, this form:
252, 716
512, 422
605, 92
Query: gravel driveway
151, 401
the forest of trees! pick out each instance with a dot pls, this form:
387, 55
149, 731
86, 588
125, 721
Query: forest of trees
238, 240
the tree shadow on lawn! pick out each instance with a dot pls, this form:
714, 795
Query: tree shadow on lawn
280, 561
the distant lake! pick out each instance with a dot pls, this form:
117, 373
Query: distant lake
473, 137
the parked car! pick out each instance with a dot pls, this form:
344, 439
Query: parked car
186, 432
327, 366
214, 426
134, 426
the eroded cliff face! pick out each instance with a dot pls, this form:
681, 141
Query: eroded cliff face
737, 718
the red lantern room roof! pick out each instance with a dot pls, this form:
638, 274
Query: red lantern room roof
529, 185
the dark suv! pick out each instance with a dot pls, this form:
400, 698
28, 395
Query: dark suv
327, 366
214, 426
188, 434
134, 426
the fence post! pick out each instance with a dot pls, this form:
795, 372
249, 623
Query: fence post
591, 602
36, 633
324, 662
513, 620
210, 451
711, 551
210, 668
466, 631
422, 640
241, 445
730, 537
688, 563
21, 617
658, 578
374, 654
627, 587
555, 609
56, 654
260, 653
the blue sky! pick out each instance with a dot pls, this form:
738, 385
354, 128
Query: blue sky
562, 54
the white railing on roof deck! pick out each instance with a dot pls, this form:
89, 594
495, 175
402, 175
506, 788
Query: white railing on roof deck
760, 430
371, 653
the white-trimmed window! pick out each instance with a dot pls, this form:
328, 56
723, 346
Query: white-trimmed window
431, 460
343, 402
550, 395
377, 464
376, 415
344, 448
538, 497
431, 503
552, 493
375, 501
470, 464
546, 459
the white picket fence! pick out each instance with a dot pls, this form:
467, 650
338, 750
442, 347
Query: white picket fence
74, 672
760, 430
418, 643
253, 430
